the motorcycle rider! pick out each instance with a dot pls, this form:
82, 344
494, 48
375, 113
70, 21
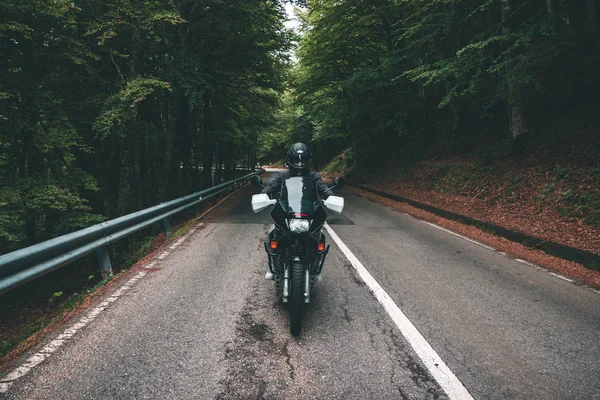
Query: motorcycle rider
298, 160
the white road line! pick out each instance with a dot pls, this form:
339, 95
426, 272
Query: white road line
150, 265
460, 236
438, 369
562, 277
499, 252
525, 262
163, 255
177, 243
67, 334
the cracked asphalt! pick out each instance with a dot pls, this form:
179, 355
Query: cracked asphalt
204, 324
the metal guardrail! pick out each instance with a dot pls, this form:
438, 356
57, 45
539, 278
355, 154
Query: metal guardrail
21, 266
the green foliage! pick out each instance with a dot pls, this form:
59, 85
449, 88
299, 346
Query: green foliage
110, 107
548, 189
141, 247
559, 173
585, 206
385, 74
55, 296
342, 163
122, 108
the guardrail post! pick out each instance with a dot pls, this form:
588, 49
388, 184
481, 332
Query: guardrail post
166, 226
104, 261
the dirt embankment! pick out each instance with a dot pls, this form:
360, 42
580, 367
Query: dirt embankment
558, 203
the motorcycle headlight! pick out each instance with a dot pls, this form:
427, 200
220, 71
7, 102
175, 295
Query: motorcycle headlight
299, 225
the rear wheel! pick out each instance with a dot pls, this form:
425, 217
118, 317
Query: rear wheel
296, 299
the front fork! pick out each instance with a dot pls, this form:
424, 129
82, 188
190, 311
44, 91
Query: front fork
286, 283
307, 286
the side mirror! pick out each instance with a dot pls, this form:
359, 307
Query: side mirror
261, 201
256, 180
338, 182
335, 204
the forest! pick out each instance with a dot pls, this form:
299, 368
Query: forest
381, 75
110, 107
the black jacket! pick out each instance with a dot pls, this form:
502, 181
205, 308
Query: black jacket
275, 185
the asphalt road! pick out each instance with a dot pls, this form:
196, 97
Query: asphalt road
204, 324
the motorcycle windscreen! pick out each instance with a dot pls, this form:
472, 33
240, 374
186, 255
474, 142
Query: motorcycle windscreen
299, 195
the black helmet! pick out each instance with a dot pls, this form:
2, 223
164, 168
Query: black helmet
298, 158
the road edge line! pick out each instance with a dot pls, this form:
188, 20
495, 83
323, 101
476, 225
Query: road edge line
447, 380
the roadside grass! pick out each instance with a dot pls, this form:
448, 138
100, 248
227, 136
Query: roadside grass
341, 164
584, 206
141, 248
31, 328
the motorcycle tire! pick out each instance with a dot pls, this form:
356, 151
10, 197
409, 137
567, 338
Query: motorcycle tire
296, 299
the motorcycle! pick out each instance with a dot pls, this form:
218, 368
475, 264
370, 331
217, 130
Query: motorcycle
295, 246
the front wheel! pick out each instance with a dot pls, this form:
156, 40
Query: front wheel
296, 299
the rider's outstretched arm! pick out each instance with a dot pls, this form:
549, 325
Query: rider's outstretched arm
274, 186
322, 186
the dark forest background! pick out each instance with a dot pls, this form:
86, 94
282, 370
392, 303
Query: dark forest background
390, 79
108, 107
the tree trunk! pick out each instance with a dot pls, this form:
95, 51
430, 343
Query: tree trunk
518, 123
591, 11
187, 144
124, 195
197, 181
207, 154
217, 163
143, 173
29, 165
170, 132
228, 162
29, 214
207, 161
552, 15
